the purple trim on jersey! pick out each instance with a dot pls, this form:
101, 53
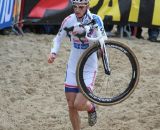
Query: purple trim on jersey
73, 90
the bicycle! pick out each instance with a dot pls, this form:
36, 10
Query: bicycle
118, 68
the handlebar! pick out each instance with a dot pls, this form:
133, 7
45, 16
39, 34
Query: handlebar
87, 31
98, 33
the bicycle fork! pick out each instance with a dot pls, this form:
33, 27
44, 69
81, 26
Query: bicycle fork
105, 58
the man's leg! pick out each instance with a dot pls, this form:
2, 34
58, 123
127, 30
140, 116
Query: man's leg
153, 34
73, 113
82, 104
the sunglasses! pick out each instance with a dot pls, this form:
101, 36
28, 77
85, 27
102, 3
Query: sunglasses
79, 6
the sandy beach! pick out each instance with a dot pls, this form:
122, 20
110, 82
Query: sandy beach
32, 91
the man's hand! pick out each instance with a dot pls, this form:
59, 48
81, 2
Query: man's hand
78, 30
51, 57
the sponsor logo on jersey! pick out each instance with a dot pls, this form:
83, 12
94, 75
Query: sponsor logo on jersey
79, 45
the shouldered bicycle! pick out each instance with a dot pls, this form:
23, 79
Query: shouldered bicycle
118, 68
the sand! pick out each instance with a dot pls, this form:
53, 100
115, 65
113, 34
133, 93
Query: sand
32, 92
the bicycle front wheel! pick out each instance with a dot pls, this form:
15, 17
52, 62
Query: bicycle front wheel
116, 87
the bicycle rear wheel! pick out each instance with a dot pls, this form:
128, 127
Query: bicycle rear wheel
116, 87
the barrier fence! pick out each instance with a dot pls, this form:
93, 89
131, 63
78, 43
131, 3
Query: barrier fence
6, 13
143, 13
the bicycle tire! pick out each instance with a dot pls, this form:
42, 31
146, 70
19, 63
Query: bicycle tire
131, 61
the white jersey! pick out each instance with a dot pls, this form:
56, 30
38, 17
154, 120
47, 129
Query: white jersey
77, 47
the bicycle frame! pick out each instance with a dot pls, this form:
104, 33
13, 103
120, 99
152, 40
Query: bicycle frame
100, 39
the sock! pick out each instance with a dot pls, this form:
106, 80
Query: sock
92, 108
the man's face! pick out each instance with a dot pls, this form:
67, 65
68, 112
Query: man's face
80, 9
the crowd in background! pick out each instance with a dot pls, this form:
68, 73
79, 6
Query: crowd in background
121, 31
128, 30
